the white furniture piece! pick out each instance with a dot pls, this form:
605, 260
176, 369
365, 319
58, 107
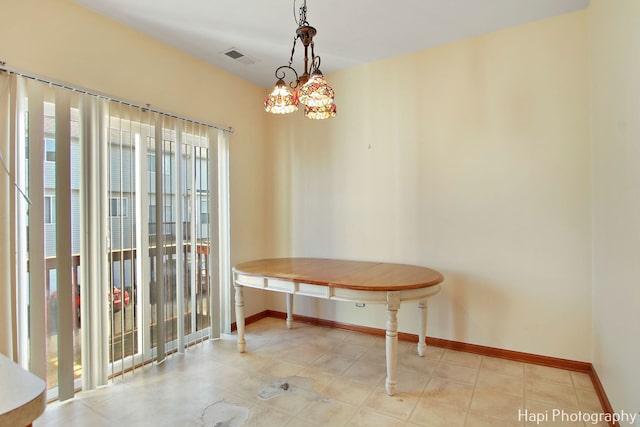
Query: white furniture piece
23, 396
341, 280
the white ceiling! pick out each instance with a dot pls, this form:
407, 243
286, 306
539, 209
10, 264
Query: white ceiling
350, 32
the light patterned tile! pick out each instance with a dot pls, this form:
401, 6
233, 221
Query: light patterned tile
365, 372
410, 382
299, 422
502, 366
582, 380
375, 355
347, 391
162, 411
319, 345
249, 387
301, 354
320, 378
551, 393
461, 358
448, 392
403, 346
290, 403
370, 418
499, 382
336, 334
281, 369
399, 405
305, 383
328, 412
600, 423
262, 416
432, 352
435, 414
331, 364
441, 388
71, 413
589, 401
412, 362
480, 420
548, 415
457, 373
497, 405
250, 363
547, 374
362, 339
348, 350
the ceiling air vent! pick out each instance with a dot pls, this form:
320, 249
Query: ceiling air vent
234, 53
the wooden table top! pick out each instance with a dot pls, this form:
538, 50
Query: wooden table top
22, 394
358, 275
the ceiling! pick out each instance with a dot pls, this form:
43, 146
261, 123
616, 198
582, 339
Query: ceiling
350, 32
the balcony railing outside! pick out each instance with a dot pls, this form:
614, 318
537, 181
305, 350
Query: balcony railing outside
169, 231
124, 331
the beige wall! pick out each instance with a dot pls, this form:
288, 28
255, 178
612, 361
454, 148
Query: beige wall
472, 158
60, 40
615, 129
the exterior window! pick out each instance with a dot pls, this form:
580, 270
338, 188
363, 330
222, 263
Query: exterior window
204, 215
50, 149
152, 213
151, 163
49, 210
168, 210
119, 206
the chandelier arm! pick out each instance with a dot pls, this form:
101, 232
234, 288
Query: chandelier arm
306, 59
293, 50
281, 73
315, 63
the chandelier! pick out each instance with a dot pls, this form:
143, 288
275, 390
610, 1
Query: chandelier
309, 89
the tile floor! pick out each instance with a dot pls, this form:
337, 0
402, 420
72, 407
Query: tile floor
315, 376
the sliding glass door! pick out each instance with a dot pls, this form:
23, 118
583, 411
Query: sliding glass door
116, 234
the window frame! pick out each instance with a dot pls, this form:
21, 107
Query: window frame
122, 205
49, 208
47, 152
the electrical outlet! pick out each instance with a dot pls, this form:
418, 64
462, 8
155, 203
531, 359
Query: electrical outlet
360, 304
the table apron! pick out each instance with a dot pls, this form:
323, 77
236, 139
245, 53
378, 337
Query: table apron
332, 293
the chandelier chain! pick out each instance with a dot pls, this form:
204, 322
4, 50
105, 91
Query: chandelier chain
302, 20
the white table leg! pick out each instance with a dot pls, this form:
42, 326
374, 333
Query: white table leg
422, 331
393, 305
289, 311
240, 318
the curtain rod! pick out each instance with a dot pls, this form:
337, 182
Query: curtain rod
147, 107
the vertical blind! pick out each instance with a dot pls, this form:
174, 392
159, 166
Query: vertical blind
118, 230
